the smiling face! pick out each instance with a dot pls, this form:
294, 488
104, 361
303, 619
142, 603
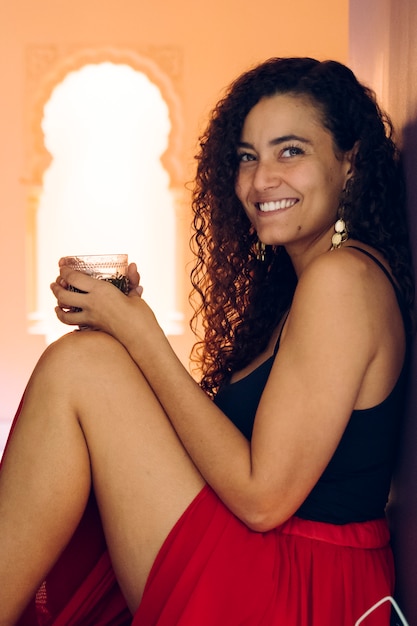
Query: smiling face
289, 179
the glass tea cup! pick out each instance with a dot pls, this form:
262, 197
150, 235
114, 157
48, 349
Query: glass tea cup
109, 267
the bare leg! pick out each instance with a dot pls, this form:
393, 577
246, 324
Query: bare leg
88, 411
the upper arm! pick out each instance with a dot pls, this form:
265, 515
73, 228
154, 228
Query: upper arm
323, 357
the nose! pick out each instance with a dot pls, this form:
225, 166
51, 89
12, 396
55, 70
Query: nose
266, 175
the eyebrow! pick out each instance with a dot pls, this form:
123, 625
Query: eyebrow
277, 141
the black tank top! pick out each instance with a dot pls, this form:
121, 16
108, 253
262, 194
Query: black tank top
355, 485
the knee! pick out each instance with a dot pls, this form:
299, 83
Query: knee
82, 351
75, 368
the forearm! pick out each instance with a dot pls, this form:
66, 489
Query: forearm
221, 453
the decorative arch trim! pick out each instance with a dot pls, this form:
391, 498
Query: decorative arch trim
47, 66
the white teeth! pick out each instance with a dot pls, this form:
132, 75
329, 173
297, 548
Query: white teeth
275, 206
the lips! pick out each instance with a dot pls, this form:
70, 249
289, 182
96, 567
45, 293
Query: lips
267, 207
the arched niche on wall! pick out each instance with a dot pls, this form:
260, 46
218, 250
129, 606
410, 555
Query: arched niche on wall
47, 67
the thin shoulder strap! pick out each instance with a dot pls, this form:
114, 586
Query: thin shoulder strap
399, 295
378, 262
280, 332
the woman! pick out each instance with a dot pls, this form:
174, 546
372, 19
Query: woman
266, 505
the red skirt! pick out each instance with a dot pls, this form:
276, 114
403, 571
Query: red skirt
213, 571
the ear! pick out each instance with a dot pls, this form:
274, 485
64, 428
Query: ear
350, 157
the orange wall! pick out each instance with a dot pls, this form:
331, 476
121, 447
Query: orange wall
217, 40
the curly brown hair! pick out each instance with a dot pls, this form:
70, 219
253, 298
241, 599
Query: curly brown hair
239, 299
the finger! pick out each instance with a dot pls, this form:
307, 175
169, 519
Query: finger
79, 280
66, 300
65, 260
133, 275
68, 317
57, 286
61, 281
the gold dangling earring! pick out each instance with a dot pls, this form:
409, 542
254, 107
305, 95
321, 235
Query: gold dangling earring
340, 234
260, 251
340, 231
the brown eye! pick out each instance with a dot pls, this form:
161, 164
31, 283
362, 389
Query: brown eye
244, 157
292, 151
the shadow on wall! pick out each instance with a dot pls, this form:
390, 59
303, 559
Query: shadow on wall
402, 509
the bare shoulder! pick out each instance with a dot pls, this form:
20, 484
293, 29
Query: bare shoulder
333, 296
346, 324
345, 301
349, 273
345, 293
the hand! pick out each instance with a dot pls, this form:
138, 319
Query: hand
95, 304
